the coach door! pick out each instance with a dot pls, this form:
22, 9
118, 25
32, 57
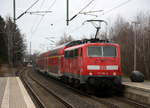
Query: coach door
77, 62
80, 61
59, 65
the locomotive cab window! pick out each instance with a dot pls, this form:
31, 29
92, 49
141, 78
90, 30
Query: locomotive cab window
102, 51
109, 51
94, 51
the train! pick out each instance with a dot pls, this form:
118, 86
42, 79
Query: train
91, 62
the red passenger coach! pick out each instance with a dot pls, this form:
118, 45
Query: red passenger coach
80, 62
51, 62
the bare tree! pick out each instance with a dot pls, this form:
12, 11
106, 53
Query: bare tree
123, 33
64, 39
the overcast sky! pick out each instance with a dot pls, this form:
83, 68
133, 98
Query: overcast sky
37, 28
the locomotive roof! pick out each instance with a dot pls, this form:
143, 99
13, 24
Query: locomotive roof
87, 44
77, 44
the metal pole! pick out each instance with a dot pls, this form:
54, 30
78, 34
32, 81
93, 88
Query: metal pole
14, 10
67, 13
135, 47
136, 76
30, 51
13, 34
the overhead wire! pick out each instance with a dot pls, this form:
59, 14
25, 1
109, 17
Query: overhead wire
27, 10
37, 16
84, 3
86, 6
62, 18
32, 5
99, 10
43, 16
84, 9
118, 6
79, 13
81, 10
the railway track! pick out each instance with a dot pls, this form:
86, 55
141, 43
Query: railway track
37, 98
111, 102
114, 102
74, 100
120, 102
29, 88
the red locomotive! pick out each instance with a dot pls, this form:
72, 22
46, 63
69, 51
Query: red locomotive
93, 62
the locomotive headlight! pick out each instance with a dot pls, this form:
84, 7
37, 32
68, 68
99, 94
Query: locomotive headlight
114, 73
90, 73
112, 67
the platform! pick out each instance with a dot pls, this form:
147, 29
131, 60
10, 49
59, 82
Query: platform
139, 91
13, 94
140, 85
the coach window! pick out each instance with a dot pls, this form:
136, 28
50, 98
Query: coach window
71, 53
75, 52
80, 51
67, 54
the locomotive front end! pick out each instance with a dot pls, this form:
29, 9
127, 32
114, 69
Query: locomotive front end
103, 64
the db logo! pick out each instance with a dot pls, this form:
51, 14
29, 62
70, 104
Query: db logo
103, 67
